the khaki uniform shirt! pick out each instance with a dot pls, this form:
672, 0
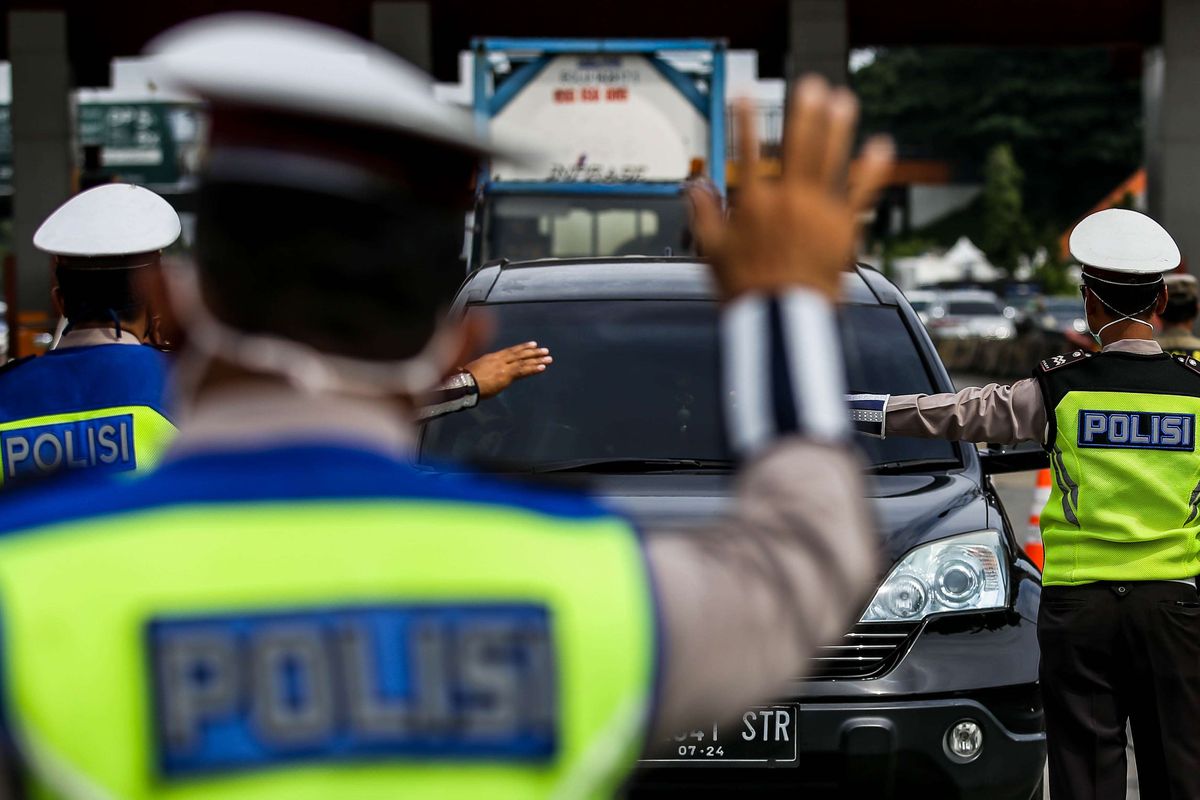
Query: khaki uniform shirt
999, 414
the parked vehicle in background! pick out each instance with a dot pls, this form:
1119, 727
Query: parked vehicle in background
970, 313
1058, 315
922, 301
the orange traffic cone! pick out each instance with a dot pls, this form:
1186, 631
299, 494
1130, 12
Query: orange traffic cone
1033, 535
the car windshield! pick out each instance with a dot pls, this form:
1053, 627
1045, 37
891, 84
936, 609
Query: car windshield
540, 226
639, 381
973, 308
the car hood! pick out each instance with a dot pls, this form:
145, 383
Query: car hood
909, 509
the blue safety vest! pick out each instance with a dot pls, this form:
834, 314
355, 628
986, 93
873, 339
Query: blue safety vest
101, 407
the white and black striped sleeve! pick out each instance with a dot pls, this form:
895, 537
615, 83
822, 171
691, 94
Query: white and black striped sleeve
868, 413
456, 393
782, 369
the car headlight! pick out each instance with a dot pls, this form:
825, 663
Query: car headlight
962, 573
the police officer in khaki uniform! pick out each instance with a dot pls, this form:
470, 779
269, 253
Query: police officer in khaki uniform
1119, 625
288, 608
1179, 317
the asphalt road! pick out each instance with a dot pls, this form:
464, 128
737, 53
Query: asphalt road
1016, 493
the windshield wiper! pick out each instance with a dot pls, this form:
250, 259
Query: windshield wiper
636, 465
914, 465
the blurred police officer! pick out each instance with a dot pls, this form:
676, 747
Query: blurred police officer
288, 609
98, 400
1119, 625
1179, 316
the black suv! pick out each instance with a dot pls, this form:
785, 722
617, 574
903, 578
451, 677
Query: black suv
935, 689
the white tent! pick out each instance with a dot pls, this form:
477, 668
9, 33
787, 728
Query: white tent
962, 262
970, 262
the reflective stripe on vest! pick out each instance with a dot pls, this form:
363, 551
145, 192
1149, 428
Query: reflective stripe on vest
366, 649
1124, 502
118, 439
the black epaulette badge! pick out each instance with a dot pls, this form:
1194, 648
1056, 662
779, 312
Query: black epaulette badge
1190, 363
1058, 362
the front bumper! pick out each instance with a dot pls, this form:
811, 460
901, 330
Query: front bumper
883, 737
881, 750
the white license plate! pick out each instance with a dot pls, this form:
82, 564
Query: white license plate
763, 736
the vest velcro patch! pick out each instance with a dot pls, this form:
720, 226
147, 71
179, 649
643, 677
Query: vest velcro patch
1058, 362
461, 682
1137, 430
99, 442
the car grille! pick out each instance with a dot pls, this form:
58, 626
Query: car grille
869, 649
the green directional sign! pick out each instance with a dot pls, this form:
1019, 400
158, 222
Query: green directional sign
136, 140
140, 142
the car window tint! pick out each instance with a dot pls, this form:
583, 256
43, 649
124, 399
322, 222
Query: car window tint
640, 379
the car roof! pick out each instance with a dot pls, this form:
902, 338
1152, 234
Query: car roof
625, 278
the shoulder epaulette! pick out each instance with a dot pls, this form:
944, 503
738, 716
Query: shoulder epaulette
16, 362
1058, 362
1189, 362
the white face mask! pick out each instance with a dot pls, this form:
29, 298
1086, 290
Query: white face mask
304, 367
1131, 317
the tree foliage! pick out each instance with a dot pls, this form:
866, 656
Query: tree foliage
1073, 120
1005, 231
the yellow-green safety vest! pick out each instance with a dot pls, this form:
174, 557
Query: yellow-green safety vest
1125, 500
320, 622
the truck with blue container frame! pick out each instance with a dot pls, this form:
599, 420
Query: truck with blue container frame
620, 125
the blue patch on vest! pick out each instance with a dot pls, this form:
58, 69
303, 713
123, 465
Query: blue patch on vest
104, 443
468, 682
1137, 430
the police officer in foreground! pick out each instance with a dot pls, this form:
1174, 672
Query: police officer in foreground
288, 608
1179, 316
1119, 625
98, 400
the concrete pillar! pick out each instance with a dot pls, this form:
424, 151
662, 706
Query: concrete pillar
404, 27
817, 39
41, 133
1175, 194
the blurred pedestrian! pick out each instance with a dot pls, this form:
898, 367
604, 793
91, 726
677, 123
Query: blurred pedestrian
1179, 316
287, 608
1119, 622
98, 400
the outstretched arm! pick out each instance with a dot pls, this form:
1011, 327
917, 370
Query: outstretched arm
486, 376
1003, 414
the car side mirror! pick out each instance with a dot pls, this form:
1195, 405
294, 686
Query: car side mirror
999, 460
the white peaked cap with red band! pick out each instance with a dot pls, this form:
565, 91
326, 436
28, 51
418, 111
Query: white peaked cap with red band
116, 219
1120, 240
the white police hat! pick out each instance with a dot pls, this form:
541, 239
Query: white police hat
1119, 240
116, 219
271, 62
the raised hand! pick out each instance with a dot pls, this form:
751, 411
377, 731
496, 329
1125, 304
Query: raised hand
801, 229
